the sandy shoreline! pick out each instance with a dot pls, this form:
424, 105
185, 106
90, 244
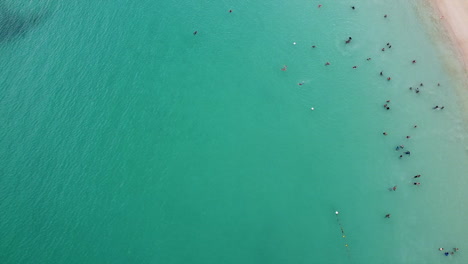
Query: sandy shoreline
454, 17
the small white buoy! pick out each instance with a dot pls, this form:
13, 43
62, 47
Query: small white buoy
336, 212
294, 43
312, 108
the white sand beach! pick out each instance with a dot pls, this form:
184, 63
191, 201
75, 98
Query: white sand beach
454, 16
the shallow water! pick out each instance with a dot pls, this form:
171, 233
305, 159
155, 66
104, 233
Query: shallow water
126, 138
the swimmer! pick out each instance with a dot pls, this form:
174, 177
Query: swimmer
414, 61
313, 46
411, 88
394, 188
440, 249
435, 107
416, 183
368, 59
397, 148
327, 63
417, 176
194, 33
388, 101
442, 107
388, 108
387, 216
285, 68
385, 105
421, 84
353, 7
385, 16
354, 67
230, 10
456, 249
388, 79
408, 137
383, 49
301, 83
438, 84
446, 253
408, 153
381, 73
417, 90
402, 146
319, 6
388, 43
415, 126
385, 133
401, 156
390, 46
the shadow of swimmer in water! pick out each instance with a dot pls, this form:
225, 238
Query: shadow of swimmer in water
13, 24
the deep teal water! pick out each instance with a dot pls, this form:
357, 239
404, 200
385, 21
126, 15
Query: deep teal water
127, 139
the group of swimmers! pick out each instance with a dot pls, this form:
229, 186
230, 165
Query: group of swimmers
446, 253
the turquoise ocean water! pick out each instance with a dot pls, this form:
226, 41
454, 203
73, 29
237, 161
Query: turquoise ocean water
127, 139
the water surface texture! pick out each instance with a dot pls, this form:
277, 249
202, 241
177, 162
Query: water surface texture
126, 138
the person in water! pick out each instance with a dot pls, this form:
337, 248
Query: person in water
195, 32
408, 153
416, 183
394, 188
417, 176
385, 133
381, 73
387, 216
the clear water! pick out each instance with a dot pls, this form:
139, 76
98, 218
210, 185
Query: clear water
127, 139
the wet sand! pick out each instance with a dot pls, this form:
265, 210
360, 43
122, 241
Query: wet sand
454, 17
